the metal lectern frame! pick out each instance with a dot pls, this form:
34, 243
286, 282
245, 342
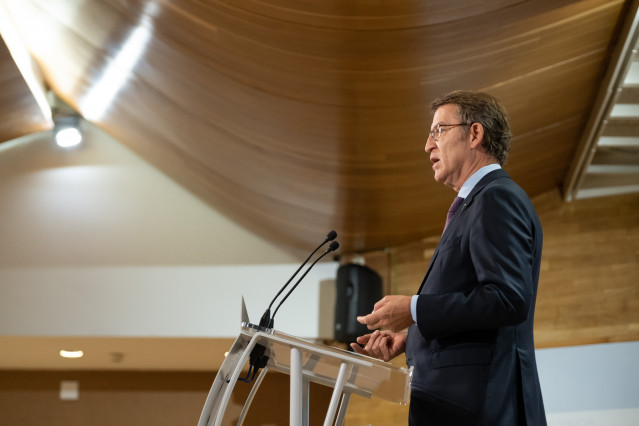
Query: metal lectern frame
305, 362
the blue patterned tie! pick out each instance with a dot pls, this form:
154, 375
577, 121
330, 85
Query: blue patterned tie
451, 212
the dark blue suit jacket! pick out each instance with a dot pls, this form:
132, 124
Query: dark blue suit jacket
472, 346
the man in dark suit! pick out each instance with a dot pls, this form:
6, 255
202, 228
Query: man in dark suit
470, 326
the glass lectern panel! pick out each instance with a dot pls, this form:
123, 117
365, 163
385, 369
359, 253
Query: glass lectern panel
346, 372
320, 364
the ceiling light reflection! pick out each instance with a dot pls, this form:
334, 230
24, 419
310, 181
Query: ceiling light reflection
27, 67
99, 98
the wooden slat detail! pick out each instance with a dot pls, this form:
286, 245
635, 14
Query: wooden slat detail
606, 180
612, 156
629, 95
19, 110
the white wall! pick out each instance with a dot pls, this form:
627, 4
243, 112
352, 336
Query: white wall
593, 385
95, 242
156, 301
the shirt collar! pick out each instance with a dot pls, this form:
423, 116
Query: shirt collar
476, 177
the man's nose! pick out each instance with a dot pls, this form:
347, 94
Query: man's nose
430, 144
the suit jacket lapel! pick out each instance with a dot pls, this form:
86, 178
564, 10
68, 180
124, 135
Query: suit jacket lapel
467, 202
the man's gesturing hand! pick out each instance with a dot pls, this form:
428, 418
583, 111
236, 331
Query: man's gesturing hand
384, 345
391, 313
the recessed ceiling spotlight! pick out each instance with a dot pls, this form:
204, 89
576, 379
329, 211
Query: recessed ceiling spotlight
71, 354
68, 137
66, 131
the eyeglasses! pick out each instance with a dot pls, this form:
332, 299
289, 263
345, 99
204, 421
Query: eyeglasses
436, 133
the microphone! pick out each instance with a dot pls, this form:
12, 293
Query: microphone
266, 318
332, 247
258, 357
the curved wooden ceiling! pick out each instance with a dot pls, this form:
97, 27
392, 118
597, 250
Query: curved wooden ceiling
297, 117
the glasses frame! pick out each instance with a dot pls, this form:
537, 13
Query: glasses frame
440, 128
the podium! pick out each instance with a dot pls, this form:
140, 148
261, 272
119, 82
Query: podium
305, 362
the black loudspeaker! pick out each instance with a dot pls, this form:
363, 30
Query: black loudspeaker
358, 289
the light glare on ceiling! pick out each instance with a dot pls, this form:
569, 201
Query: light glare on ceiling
116, 75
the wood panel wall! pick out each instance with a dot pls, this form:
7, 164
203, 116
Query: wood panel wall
589, 284
134, 398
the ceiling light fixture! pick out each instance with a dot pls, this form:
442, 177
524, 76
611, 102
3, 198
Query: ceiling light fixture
71, 354
66, 131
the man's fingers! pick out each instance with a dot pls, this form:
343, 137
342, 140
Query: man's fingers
383, 345
373, 345
381, 302
364, 319
378, 344
372, 338
362, 340
371, 321
357, 348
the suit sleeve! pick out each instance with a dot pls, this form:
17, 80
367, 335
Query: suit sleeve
498, 247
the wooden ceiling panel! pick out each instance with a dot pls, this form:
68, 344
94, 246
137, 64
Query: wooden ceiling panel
539, 118
354, 15
20, 112
297, 117
539, 160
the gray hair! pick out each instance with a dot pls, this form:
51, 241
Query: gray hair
479, 107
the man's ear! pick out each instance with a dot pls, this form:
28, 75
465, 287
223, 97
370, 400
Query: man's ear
476, 132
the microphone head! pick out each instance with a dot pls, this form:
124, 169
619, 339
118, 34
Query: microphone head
331, 236
333, 246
